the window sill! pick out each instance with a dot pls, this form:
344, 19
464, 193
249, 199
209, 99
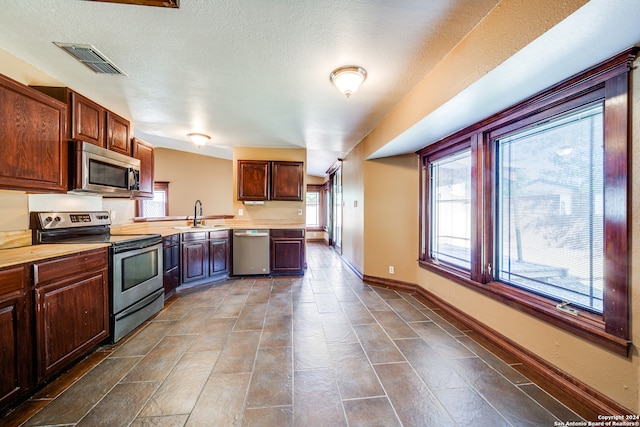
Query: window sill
585, 325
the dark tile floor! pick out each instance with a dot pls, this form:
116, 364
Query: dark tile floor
323, 350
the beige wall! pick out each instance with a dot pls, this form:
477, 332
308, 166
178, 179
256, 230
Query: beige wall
194, 177
353, 208
24, 73
271, 210
315, 180
390, 223
390, 227
391, 217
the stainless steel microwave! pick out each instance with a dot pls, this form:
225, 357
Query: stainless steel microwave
96, 170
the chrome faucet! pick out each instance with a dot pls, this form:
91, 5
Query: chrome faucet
195, 213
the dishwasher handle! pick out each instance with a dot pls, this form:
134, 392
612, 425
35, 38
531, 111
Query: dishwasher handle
263, 234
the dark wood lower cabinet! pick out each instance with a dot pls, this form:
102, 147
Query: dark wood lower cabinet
171, 260
205, 256
219, 255
195, 257
16, 348
287, 251
52, 312
71, 298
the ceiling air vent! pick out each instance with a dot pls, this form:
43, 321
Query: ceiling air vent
91, 57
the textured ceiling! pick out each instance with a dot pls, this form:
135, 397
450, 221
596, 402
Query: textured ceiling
248, 73
255, 73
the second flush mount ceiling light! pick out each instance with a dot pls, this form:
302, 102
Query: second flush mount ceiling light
348, 78
199, 139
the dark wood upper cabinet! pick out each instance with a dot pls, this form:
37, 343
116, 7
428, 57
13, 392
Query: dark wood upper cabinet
91, 122
87, 120
286, 180
33, 146
270, 180
118, 139
253, 180
159, 3
143, 151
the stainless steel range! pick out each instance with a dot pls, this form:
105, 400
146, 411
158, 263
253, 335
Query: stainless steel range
135, 263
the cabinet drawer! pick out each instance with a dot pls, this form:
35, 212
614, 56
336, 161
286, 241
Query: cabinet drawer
170, 257
12, 279
194, 235
221, 234
174, 239
67, 266
287, 233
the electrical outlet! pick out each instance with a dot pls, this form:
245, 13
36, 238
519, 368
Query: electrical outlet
299, 211
392, 270
240, 212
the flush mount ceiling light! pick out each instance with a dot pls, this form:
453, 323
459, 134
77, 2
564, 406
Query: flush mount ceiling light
198, 138
348, 78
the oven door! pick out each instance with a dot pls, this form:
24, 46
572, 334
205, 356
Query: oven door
136, 274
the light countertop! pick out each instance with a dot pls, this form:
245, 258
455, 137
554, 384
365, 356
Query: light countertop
29, 253
26, 254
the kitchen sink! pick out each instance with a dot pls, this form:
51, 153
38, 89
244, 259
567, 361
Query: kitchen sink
200, 227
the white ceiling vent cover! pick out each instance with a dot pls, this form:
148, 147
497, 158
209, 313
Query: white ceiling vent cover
91, 57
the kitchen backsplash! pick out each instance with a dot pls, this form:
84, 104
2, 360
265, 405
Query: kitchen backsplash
15, 207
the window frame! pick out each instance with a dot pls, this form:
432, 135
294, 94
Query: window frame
607, 82
157, 186
318, 188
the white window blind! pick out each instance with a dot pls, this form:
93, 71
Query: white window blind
550, 208
451, 210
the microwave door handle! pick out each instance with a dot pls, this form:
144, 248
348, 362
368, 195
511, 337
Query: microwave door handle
133, 179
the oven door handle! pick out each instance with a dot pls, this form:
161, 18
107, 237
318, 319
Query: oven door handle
134, 246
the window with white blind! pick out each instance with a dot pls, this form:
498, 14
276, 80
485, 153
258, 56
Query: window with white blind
550, 208
530, 206
450, 179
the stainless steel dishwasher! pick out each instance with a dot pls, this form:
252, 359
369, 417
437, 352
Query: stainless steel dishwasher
250, 252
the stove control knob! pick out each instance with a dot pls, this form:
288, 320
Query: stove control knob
48, 219
57, 219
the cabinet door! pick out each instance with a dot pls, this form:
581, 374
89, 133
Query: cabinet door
171, 271
33, 147
253, 180
286, 180
118, 134
287, 256
72, 308
15, 335
219, 257
143, 151
195, 261
87, 120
